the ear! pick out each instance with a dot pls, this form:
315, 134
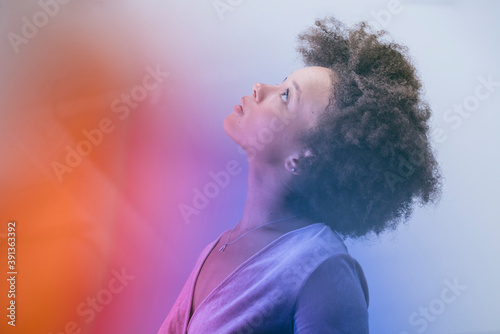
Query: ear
293, 161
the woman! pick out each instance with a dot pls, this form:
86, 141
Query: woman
339, 148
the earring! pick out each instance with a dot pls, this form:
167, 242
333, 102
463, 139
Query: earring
293, 169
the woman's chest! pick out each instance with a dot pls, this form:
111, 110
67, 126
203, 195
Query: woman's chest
219, 265
212, 273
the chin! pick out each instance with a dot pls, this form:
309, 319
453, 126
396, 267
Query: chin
229, 127
233, 129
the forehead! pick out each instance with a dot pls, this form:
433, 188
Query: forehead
313, 76
315, 88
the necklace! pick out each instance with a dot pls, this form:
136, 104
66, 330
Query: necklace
241, 236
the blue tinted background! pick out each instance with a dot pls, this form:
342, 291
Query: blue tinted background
452, 43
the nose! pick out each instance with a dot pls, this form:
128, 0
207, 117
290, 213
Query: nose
256, 91
259, 91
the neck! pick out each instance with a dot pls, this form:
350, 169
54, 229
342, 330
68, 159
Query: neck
265, 200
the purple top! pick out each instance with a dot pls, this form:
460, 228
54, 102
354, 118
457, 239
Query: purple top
305, 281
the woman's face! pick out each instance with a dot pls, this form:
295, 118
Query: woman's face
267, 122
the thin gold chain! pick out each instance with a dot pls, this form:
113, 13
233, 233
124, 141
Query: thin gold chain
241, 236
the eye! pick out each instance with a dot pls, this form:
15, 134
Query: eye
284, 95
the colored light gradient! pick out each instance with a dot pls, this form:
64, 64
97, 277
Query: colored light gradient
95, 166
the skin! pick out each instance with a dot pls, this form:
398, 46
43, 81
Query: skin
270, 167
271, 162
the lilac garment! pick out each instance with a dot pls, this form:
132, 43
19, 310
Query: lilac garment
302, 282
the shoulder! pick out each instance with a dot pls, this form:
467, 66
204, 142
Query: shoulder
338, 272
319, 235
333, 298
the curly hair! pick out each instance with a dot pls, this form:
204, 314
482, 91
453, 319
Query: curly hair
372, 159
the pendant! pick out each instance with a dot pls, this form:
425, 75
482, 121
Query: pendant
222, 248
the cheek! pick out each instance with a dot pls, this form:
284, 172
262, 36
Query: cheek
257, 118
271, 119
292, 131
277, 134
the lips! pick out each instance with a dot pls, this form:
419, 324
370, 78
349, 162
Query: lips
238, 109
